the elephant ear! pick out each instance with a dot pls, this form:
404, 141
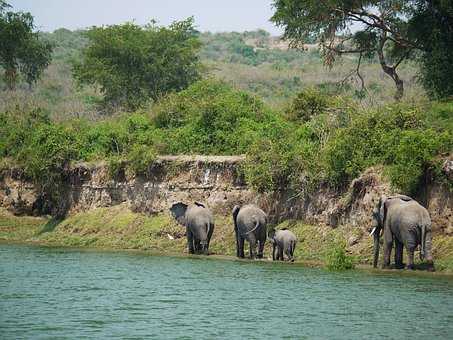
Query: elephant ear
199, 204
382, 209
178, 210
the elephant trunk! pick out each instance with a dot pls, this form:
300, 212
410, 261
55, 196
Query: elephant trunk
376, 236
236, 231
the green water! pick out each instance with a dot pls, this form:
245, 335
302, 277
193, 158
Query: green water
63, 293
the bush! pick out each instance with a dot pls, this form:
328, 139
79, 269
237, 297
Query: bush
307, 104
210, 117
402, 138
336, 258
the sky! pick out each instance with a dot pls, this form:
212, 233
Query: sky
210, 15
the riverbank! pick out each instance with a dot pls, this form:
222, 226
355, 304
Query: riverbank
118, 227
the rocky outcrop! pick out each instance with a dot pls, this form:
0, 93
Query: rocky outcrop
217, 181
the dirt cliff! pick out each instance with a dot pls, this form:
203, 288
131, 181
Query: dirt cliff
217, 181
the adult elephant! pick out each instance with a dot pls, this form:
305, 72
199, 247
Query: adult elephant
249, 224
407, 223
199, 224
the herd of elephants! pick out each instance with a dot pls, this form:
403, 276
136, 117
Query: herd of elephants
402, 221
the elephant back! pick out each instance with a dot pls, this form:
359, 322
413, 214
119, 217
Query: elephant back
199, 215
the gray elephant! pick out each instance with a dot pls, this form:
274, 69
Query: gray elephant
249, 224
199, 224
283, 242
406, 223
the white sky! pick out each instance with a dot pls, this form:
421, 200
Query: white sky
210, 15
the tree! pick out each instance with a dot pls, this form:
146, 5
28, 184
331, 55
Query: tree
131, 64
21, 50
364, 28
432, 25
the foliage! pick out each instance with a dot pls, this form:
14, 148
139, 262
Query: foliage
379, 29
132, 64
308, 103
336, 258
432, 25
210, 117
21, 50
403, 138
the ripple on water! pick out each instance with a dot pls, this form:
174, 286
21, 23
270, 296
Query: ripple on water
51, 293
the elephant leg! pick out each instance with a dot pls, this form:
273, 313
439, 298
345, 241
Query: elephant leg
398, 254
190, 241
280, 253
198, 248
388, 244
274, 248
252, 244
241, 247
410, 258
288, 254
261, 249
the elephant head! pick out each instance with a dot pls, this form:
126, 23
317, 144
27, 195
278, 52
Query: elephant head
178, 210
271, 235
236, 231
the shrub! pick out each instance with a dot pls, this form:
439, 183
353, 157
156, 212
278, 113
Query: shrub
307, 104
336, 258
210, 117
140, 158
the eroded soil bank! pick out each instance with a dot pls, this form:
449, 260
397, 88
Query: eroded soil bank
130, 212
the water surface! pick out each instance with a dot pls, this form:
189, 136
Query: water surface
66, 293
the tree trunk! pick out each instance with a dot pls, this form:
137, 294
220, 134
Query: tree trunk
390, 70
11, 78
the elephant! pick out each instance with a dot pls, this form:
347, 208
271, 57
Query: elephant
284, 242
406, 223
199, 224
249, 224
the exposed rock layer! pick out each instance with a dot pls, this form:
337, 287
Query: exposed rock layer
218, 182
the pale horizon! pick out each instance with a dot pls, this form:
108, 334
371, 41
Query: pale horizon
212, 16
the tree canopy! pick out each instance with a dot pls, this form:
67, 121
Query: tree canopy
432, 26
132, 64
367, 28
21, 49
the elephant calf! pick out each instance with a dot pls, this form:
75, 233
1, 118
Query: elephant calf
406, 223
199, 224
284, 242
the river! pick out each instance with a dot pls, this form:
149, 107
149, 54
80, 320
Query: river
70, 293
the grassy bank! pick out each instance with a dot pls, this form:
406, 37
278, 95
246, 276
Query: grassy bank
119, 228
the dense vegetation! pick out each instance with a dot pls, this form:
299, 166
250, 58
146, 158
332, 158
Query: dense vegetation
318, 129
132, 64
319, 138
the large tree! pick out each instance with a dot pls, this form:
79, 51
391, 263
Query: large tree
132, 64
432, 26
21, 50
365, 28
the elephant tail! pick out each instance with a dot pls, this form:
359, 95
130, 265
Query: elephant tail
293, 247
257, 224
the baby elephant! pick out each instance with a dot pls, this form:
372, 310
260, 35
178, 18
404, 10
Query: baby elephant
284, 241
